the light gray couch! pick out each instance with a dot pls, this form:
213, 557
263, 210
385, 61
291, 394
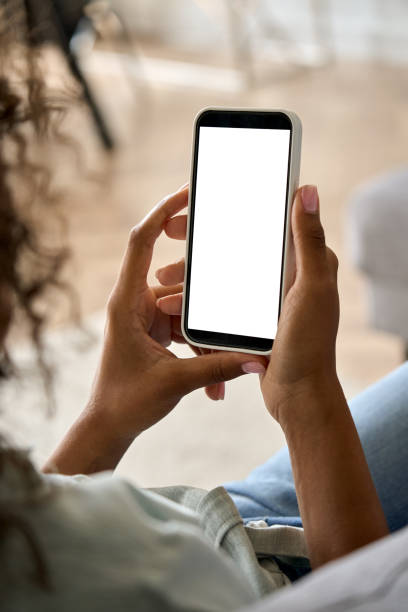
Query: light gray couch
378, 236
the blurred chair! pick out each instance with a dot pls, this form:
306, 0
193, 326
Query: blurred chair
378, 231
66, 23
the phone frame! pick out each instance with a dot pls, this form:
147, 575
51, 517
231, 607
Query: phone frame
237, 117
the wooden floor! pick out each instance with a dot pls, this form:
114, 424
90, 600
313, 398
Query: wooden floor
355, 126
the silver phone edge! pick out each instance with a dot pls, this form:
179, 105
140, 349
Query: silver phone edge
294, 172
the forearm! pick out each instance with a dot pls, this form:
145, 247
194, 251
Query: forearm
338, 502
89, 446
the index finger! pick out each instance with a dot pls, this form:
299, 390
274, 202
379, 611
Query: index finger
138, 255
152, 225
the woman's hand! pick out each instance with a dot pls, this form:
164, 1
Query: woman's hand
140, 378
337, 499
170, 303
139, 381
303, 355
338, 503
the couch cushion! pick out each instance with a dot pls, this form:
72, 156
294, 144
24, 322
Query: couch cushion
378, 226
372, 579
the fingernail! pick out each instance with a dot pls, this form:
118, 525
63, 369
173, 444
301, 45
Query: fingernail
158, 273
253, 367
310, 199
182, 187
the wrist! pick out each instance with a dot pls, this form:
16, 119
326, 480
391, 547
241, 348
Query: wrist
90, 446
103, 418
307, 403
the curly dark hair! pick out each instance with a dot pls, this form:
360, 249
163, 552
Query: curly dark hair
32, 258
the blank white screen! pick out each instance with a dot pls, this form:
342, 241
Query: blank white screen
238, 230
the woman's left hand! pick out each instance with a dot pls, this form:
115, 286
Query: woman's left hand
139, 380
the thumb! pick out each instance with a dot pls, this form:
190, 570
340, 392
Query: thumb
211, 368
308, 234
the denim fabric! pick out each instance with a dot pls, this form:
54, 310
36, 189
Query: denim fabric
381, 417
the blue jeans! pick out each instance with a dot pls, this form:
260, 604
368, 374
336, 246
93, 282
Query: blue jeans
381, 417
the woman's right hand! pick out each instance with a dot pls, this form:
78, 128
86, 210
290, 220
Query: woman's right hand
303, 355
302, 392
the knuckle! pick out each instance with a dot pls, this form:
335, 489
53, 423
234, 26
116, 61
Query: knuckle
135, 233
317, 236
141, 235
314, 287
333, 259
112, 307
322, 286
219, 374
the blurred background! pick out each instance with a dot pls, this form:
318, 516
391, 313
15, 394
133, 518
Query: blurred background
145, 68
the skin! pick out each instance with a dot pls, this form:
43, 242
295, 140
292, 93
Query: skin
139, 381
338, 503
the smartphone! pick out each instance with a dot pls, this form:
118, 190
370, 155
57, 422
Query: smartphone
245, 170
